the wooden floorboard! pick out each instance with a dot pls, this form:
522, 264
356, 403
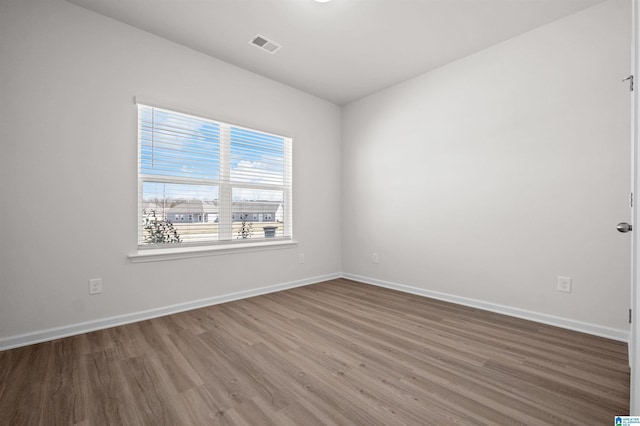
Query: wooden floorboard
337, 352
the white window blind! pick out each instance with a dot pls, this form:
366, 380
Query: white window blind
201, 181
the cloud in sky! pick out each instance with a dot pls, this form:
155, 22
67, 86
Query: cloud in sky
266, 170
176, 191
183, 146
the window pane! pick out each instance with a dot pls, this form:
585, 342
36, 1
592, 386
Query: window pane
256, 157
190, 212
257, 213
173, 144
188, 194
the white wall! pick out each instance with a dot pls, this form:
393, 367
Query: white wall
512, 164
489, 177
68, 164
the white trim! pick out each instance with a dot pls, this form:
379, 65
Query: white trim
634, 343
156, 255
594, 329
99, 324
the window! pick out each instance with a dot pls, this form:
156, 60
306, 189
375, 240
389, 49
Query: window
190, 166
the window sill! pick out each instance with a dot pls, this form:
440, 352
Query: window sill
157, 255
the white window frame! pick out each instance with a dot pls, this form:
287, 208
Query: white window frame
226, 240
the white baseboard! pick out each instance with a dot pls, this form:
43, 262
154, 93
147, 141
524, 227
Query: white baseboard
594, 329
99, 324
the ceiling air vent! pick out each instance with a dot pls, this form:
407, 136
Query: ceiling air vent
264, 44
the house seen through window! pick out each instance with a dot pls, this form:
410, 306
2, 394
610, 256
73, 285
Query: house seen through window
202, 181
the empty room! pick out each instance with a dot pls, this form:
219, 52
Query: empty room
301, 212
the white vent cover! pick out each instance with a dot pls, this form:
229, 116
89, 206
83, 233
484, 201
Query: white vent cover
265, 44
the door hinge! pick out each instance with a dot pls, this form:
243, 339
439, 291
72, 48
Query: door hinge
630, 78
631, 199
630, 312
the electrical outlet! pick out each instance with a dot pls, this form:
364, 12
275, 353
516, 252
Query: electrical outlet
374, 257
95, 286
564, 284
301, 258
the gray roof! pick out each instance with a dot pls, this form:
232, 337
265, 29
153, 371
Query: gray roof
255, 206
151, 206
194, 207
199, 207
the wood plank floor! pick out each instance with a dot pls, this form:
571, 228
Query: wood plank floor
337, 352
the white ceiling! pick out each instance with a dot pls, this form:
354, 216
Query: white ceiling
342, 50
